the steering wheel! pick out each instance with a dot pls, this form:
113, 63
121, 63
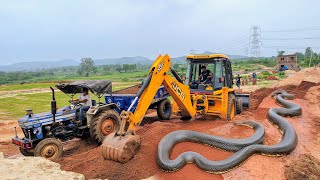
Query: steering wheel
75, 105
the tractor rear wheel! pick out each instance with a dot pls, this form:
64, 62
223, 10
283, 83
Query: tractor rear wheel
164, 109
104, 124
26, 152
231, 107
50, 148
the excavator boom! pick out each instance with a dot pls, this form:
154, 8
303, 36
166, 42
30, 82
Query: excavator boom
122, 145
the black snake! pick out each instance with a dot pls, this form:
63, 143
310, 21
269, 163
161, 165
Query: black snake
244, 147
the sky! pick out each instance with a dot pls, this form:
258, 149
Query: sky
57, 29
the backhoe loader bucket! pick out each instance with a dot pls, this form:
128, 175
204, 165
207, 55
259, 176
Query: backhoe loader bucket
120, 148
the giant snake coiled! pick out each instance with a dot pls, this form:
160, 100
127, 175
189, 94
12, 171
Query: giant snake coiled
244, 147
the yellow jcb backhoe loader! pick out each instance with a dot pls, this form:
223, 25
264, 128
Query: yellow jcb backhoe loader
192, 96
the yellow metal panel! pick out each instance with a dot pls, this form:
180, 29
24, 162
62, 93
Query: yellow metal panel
181, 95
207, 56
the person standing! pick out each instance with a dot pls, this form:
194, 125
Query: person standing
254, 78
238, 81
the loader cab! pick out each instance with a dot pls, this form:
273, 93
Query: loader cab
219, 67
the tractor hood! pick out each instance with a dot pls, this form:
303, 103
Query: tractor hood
46, 118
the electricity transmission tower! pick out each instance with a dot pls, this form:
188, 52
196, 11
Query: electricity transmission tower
255, 41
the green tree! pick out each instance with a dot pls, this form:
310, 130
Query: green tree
133, 67
280, 53
87, 67
176, 66
118, 68
106, 68
308, 52
126, 67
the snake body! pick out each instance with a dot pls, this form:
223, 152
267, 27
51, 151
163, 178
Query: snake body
244, 147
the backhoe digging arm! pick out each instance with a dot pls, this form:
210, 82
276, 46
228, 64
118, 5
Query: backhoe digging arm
122, 146
158, 75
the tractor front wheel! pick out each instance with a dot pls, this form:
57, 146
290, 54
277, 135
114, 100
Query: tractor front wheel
50, 148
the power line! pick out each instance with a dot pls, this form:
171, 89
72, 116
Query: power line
285, 39
231, 43
294, 30
286, 47
243, 47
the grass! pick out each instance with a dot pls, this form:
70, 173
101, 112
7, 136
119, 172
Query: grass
12, 108
114, 76
25, 86
44, 85
15, 107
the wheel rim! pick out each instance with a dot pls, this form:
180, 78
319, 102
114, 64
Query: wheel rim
107, 126
49, 151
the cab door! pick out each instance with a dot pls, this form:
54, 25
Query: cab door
218, 75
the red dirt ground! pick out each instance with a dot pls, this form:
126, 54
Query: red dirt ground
84, 157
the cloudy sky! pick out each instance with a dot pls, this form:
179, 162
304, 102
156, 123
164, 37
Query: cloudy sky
59, 29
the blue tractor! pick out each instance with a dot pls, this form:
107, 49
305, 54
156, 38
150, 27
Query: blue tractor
44, 132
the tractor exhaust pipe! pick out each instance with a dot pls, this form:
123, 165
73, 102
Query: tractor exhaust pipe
53, 105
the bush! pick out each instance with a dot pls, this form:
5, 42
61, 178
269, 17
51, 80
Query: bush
281, 74
124, 79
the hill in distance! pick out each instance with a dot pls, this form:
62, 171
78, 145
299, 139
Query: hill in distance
123, 60
40, 65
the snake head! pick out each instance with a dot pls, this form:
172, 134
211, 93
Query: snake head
241, 123
275, 93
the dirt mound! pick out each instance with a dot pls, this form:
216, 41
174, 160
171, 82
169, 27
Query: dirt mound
35, 167
258, 95
271, 78
308, 74
130, 90
305, 167
299, 91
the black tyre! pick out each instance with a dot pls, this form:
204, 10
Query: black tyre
238, 106
231, 107
103, 124
164, 109
185, 118
26, 152
49, 148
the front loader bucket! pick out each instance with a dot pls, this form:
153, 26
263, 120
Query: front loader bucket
245, 99
120, 148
